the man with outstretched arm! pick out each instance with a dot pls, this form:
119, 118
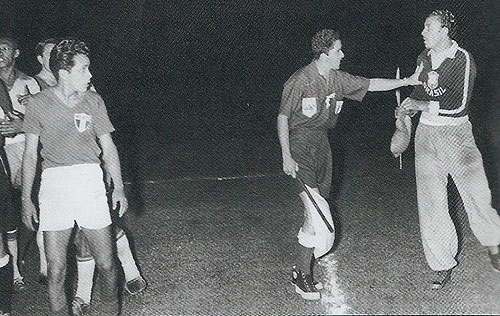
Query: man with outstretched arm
311, 101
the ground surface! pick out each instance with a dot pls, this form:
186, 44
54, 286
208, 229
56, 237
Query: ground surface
214, 222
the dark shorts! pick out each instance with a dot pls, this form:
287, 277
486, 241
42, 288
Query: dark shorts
9, 217
310, 148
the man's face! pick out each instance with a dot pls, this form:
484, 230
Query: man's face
335, 55
8, 54
44, 59
433, 33
79, 76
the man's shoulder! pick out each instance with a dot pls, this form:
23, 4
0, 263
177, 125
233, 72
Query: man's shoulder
93, 97
42, 95
303, 75
24, 77
463, 53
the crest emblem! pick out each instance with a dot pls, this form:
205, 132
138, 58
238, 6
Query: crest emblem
432, 80
82, 121
328, 98
309, 107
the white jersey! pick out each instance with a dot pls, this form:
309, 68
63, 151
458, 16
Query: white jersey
24, 84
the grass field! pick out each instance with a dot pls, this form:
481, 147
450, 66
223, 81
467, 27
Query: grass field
213, 224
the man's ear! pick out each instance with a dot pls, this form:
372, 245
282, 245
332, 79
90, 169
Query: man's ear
447, 31
17, 53
40, 59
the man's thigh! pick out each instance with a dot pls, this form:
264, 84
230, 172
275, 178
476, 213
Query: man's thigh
56, 244
100, 242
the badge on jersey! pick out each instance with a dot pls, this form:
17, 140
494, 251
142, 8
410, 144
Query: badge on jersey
82, 121
432, 80
328, 99
309, 107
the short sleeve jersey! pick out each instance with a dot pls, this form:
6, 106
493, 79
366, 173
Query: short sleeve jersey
67, 134
310, 101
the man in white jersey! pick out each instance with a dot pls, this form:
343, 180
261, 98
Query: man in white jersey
73, 127
20, 86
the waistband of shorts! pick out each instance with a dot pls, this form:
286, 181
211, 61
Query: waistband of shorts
73, 168
309, 130
435, 120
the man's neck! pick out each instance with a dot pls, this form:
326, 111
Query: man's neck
47, 76
323, 68
442, 46
9, 75
68, 94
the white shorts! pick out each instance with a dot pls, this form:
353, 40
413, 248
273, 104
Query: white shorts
72, 194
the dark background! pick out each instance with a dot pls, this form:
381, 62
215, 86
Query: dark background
179, 68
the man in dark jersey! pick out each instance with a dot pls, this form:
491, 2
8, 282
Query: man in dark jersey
134, 281
73, 127
311, 101
445, 145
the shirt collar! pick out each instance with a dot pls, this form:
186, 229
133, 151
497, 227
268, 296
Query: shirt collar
447, 53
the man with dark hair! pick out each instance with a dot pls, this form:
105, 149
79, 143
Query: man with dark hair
73, 127
311, 101
20, 86
445, 145
45, 77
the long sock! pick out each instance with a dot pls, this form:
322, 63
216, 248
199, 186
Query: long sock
304, 259
5, 284
85, 281
127, 260
12, 246
41, 251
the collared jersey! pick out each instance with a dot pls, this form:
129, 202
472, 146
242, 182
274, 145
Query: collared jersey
23, 85
67, 134
448, 79
310, 101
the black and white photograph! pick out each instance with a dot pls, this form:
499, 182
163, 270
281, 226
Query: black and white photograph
249, 157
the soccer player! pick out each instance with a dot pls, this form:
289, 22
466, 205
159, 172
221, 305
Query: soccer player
6, 212
445, 145
311, 101
73, 127
20, 86
134, 281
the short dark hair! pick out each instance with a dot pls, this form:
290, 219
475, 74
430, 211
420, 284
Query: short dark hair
41, 45
446, 18
63, 54
9, 38
323, 41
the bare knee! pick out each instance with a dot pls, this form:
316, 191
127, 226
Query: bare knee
105, 262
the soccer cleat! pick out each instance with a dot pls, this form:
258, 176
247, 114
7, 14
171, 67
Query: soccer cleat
19, 284
79, 307
136, 285
442, 278
304, 285
495, 261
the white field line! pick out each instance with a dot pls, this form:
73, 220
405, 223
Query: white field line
332, 297
201, 178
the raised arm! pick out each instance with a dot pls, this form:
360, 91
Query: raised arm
380, 84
